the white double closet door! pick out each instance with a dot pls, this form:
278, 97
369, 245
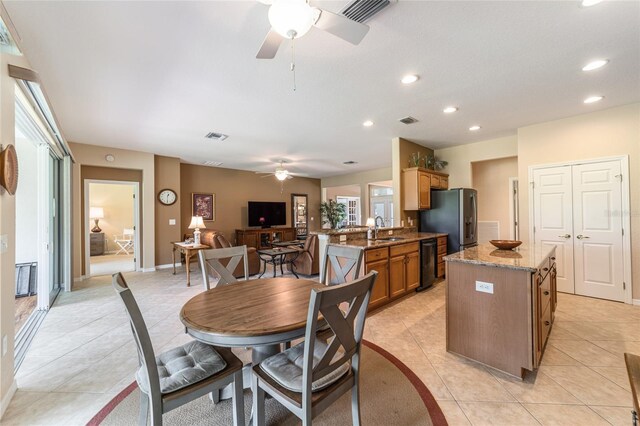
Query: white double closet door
579, 208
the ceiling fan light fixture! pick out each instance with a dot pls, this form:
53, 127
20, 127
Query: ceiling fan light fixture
291, 18
281, 174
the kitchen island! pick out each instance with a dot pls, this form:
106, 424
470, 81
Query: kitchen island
395, 255
500, 305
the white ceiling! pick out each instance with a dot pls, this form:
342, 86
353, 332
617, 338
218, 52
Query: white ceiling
157, 76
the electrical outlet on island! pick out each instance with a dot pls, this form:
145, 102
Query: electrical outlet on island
390, 232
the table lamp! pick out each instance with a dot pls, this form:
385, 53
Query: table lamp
96, 213
196, 223
371, 223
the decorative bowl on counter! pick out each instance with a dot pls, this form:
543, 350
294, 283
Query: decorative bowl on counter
505, 244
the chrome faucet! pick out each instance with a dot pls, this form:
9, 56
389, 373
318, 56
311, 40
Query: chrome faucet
375, 229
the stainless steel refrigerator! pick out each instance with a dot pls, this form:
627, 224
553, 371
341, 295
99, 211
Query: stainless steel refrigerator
455, 212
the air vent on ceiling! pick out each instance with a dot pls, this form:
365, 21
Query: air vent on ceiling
408, 120
213, 163
363, 10
350, 162
216, 136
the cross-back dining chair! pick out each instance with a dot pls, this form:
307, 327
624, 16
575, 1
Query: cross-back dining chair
179, 375
345, 264
223, 261
312, 375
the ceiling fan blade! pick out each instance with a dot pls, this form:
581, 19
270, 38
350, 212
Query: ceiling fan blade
341, 26
270, 45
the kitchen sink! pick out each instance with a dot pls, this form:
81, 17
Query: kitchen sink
391, 239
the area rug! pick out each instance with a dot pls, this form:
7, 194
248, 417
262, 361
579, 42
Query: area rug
390, 394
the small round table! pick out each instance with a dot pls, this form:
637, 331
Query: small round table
260, 314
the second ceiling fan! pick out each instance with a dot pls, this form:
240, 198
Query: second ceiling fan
291, 19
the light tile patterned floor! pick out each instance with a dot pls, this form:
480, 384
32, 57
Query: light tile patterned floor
84, 355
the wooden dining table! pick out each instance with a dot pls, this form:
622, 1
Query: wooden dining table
260, 314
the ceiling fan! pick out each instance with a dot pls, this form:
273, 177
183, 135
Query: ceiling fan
291, 19
280, 173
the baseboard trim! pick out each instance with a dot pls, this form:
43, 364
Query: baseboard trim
168, 265
78, 279
7, 398
636, 302
152, 269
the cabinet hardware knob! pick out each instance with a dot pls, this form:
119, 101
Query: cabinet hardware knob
546, 293
547, 323
566, 236
545, 269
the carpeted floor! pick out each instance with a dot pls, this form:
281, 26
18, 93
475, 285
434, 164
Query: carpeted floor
390, 394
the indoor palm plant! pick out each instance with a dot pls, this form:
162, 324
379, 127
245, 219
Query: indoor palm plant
333, 213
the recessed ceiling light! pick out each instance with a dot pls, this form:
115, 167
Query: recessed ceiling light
595, 65
110, 158
588, 3
592, 99
474, 128
449, 109
411, 78
368, 123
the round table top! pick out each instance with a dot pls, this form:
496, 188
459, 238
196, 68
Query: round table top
248, 313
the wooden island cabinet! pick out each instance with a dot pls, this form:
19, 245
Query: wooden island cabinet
501, 305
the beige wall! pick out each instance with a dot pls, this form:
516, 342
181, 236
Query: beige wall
117, 203
607, 133
93, 155
460, 157
167, 176
361, 179
7, 227
401, 150
234, 188
491, 179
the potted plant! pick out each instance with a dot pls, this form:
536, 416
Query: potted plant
332, 213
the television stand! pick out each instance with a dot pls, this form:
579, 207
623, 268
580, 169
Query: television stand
263, 238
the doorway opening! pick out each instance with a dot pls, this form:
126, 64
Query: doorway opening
349, 195
111, 218
381, 201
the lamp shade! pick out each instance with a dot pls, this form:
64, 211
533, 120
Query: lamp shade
371, 222
96, 212
291, 18
196, 222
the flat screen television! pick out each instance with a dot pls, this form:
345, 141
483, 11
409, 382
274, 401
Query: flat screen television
267, 214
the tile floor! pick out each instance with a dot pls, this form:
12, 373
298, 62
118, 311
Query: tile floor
84, 355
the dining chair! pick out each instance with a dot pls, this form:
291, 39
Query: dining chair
223, 261
345, 264
179, 375
632, 363
309, 377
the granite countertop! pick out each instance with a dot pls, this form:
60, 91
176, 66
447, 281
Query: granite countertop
352, 230
526, 257
409, 237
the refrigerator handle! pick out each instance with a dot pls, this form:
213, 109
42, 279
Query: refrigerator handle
475, 216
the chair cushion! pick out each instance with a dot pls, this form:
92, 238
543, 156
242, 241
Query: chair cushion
286, 368
183, 366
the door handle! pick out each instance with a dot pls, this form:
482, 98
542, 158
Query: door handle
567, 236
580, 237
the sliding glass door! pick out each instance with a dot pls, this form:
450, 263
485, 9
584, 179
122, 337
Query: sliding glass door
55, 269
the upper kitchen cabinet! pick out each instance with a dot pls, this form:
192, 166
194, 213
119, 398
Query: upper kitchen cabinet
417, 184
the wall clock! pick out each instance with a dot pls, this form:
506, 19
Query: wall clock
9, 169
167, 197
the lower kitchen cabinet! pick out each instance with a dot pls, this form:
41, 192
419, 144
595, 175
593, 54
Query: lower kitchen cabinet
398, 269
380, 291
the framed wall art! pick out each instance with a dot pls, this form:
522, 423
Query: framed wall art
203, 205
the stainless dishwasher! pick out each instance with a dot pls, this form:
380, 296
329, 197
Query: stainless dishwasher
428, 253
